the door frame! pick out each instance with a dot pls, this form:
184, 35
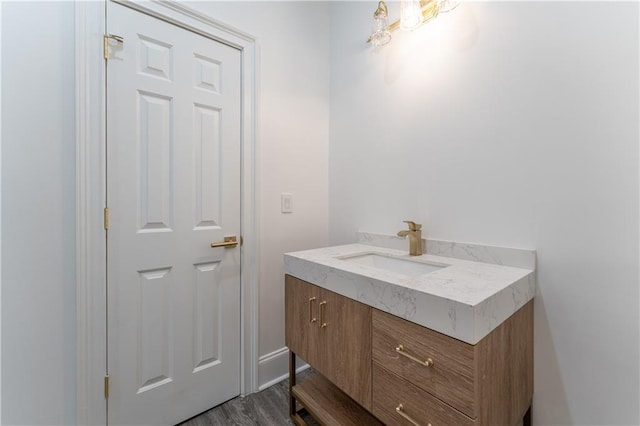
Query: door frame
91, 271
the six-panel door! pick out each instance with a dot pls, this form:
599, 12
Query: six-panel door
173, 177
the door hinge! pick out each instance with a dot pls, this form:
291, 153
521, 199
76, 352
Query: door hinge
106, 386
106, 218
105, 43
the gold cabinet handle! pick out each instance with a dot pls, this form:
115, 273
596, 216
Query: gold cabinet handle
401, 351
311, 317
323, 323
229, 242
400, 410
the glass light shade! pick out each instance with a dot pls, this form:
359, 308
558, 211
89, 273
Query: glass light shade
447, 5
410, 14
380, 34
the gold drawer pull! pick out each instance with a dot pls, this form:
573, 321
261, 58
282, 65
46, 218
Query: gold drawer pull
400, 410
427, 363
311, 317
323, 323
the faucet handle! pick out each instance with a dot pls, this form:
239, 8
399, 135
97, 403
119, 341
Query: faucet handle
413, 226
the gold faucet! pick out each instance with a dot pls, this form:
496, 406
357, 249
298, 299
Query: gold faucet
415, 237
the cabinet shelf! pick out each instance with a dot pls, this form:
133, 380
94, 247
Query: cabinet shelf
329, 405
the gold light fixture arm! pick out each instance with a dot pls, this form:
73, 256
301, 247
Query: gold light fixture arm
381, 10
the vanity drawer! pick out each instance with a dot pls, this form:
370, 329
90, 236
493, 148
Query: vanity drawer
403, 348
392, 393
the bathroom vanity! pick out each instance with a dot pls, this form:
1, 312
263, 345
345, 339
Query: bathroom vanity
400, 340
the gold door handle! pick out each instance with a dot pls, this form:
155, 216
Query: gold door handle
323, 323
400, 410
401, 351
105, 43
311, 317
229, 242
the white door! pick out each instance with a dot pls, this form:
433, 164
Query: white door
173, 188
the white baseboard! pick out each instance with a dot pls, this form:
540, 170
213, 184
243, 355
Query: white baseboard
274, 368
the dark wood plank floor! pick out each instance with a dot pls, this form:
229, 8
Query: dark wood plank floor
267, 408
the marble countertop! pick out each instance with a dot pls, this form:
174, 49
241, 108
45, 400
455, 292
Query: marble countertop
465, 300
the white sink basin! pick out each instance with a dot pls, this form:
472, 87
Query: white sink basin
393, 264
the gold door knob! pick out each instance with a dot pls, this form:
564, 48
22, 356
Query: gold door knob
229, 242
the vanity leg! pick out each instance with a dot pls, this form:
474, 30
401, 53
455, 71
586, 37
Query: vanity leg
526, 420
292, 383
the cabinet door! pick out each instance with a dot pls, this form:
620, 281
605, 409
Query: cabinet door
345, 345
301, 323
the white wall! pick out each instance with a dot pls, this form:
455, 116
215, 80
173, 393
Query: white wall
510, 124
38, 185
38, 209
293, 143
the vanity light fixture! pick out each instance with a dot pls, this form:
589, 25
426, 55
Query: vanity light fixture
413, 13
410, 15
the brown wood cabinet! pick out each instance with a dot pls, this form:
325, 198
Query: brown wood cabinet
372, 362
332, 333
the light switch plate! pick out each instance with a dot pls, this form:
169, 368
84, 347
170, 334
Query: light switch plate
286, 203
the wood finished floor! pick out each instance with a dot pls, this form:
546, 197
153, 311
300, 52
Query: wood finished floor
267, 408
